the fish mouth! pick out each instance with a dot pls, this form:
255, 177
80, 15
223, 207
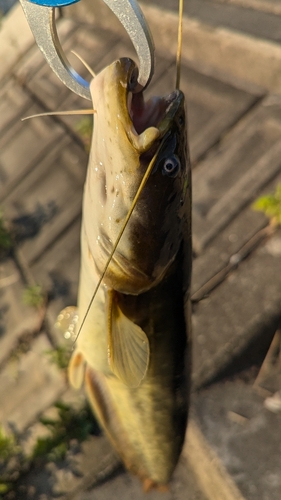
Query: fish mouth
151, 113
143, 121
149, 121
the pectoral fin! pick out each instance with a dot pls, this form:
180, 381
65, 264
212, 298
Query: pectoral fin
76, 370
128, 346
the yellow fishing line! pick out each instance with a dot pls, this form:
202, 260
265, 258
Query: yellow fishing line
179, 49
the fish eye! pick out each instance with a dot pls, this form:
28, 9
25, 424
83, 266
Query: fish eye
171, 166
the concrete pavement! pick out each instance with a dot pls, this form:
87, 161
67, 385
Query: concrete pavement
234, 131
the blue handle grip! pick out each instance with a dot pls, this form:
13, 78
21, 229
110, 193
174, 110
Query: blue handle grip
54, 3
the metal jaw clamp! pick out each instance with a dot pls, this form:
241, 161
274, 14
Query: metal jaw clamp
40, 15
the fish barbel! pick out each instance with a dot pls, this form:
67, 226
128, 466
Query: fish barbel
134, 347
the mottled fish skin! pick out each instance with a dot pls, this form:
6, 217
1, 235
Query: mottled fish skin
149, 277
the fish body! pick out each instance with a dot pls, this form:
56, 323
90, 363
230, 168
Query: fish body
134, 347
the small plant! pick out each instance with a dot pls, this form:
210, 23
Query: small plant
70, 424
270, 204
33, 296
10, 457
7, 445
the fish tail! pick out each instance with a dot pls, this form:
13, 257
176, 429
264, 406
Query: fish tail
98, 392
103, 406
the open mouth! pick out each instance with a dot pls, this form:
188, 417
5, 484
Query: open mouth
148, 114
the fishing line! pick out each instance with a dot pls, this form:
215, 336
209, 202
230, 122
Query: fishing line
134, 202
179, 48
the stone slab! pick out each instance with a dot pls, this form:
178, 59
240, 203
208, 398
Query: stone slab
16, 318
12, 46
245, 18
126, 487
235, 171
14, 103
246, 306
29, 384
208, 470
241, 231
213, 107
49, 198
32, 60
58, 272
272, 6
257, 18
244, 434
17, 156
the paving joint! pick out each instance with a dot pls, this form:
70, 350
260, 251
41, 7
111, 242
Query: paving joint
56, 119
245, 57
201, 157
264, 5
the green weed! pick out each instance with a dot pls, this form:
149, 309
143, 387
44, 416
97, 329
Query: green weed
70, 424
7, 445
10, 458
270, 205
33, 296
60, 356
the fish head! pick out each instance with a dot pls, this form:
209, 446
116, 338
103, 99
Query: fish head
128, 134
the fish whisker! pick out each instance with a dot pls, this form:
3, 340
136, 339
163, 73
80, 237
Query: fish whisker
85, 64
62, 113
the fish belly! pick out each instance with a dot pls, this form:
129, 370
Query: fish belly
147, 424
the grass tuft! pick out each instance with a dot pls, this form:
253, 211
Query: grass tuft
270, 205
70, 424
33, 296
60, 356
